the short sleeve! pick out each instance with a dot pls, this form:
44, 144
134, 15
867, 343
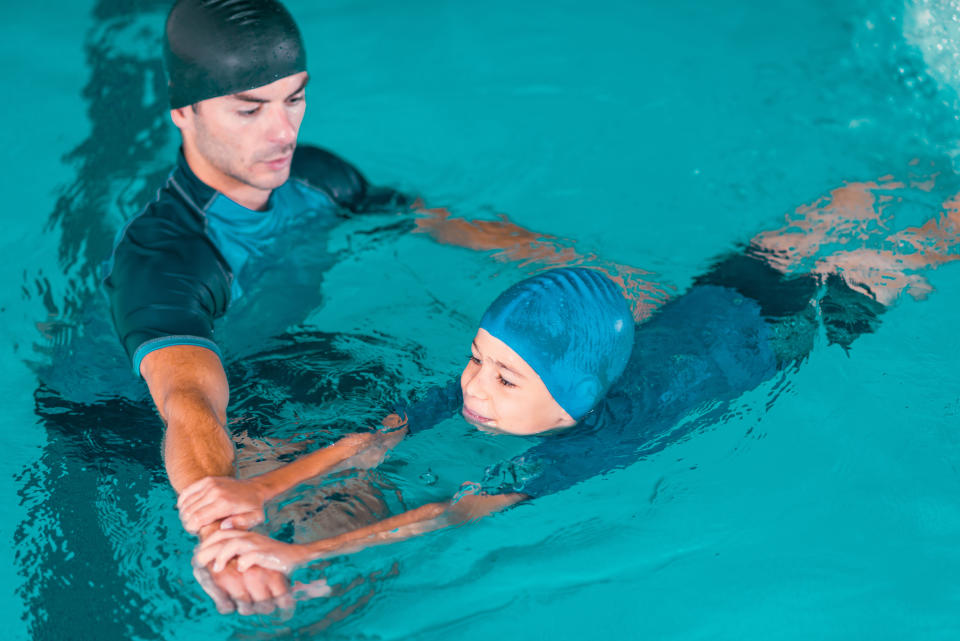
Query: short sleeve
437, 405
343, 182
165, 289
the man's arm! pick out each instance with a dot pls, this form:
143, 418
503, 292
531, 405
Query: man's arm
189, 388
249, 549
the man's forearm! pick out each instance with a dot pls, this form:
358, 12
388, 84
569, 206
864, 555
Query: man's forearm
190, 390
196, 443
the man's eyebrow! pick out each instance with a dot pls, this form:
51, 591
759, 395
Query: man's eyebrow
245, 97
303, 85
248, 98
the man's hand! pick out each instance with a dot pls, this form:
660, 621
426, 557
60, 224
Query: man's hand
239, 504
255, 591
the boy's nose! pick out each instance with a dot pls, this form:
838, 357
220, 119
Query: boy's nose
474, 386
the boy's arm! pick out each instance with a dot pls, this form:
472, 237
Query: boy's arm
511, 242
251, 549
240, 502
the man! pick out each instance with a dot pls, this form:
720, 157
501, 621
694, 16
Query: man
237, 79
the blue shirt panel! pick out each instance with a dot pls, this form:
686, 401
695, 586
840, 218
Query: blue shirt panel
179, 264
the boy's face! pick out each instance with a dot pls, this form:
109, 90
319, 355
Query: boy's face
502, 392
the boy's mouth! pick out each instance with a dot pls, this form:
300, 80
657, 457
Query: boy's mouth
473, 417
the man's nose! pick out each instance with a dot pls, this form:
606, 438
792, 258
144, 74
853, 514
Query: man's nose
283, 129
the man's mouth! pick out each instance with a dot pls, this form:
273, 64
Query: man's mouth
473, 417
279, 162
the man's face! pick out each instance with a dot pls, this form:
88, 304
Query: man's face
246, 138
502, 392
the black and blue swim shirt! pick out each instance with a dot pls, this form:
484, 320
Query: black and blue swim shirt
179, 265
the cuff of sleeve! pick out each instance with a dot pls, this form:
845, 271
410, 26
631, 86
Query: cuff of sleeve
154, 344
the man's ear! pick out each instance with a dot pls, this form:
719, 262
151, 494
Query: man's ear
182, 117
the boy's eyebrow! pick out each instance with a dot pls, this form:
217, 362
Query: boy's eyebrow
509, 369
248, 98
499, 364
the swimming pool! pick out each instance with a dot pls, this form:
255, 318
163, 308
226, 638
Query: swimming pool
657, 135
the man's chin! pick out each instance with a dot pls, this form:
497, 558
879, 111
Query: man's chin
269, 181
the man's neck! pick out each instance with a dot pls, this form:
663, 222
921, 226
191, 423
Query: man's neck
239, 192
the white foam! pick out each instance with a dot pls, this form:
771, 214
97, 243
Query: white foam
933, 27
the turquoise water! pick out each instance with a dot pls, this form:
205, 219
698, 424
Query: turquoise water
657, 135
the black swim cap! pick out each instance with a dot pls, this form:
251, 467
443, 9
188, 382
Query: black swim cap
221, 47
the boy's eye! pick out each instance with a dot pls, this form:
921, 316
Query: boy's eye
295, 99
474, 359
505, 382
249, 112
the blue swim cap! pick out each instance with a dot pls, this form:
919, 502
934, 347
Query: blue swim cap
572, 326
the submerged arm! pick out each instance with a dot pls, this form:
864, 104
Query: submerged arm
251, 549
511, 242
886, 265
241, 501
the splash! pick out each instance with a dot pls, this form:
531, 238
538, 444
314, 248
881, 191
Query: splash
933, 27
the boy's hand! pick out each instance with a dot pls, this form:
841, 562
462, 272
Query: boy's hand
249, 549
238, 503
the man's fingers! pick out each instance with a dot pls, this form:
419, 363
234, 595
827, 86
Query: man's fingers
312, 590
264, 607
205, 516
265, 587
232, 583
221, 535
245, 608
190, 504
280, 588
243, 521
191, 491
220, 598
256, 584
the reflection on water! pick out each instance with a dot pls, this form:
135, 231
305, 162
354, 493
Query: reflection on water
102, 539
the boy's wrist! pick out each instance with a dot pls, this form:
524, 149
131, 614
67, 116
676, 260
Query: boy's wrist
265, 486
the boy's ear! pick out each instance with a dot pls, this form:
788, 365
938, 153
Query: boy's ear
588, 387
